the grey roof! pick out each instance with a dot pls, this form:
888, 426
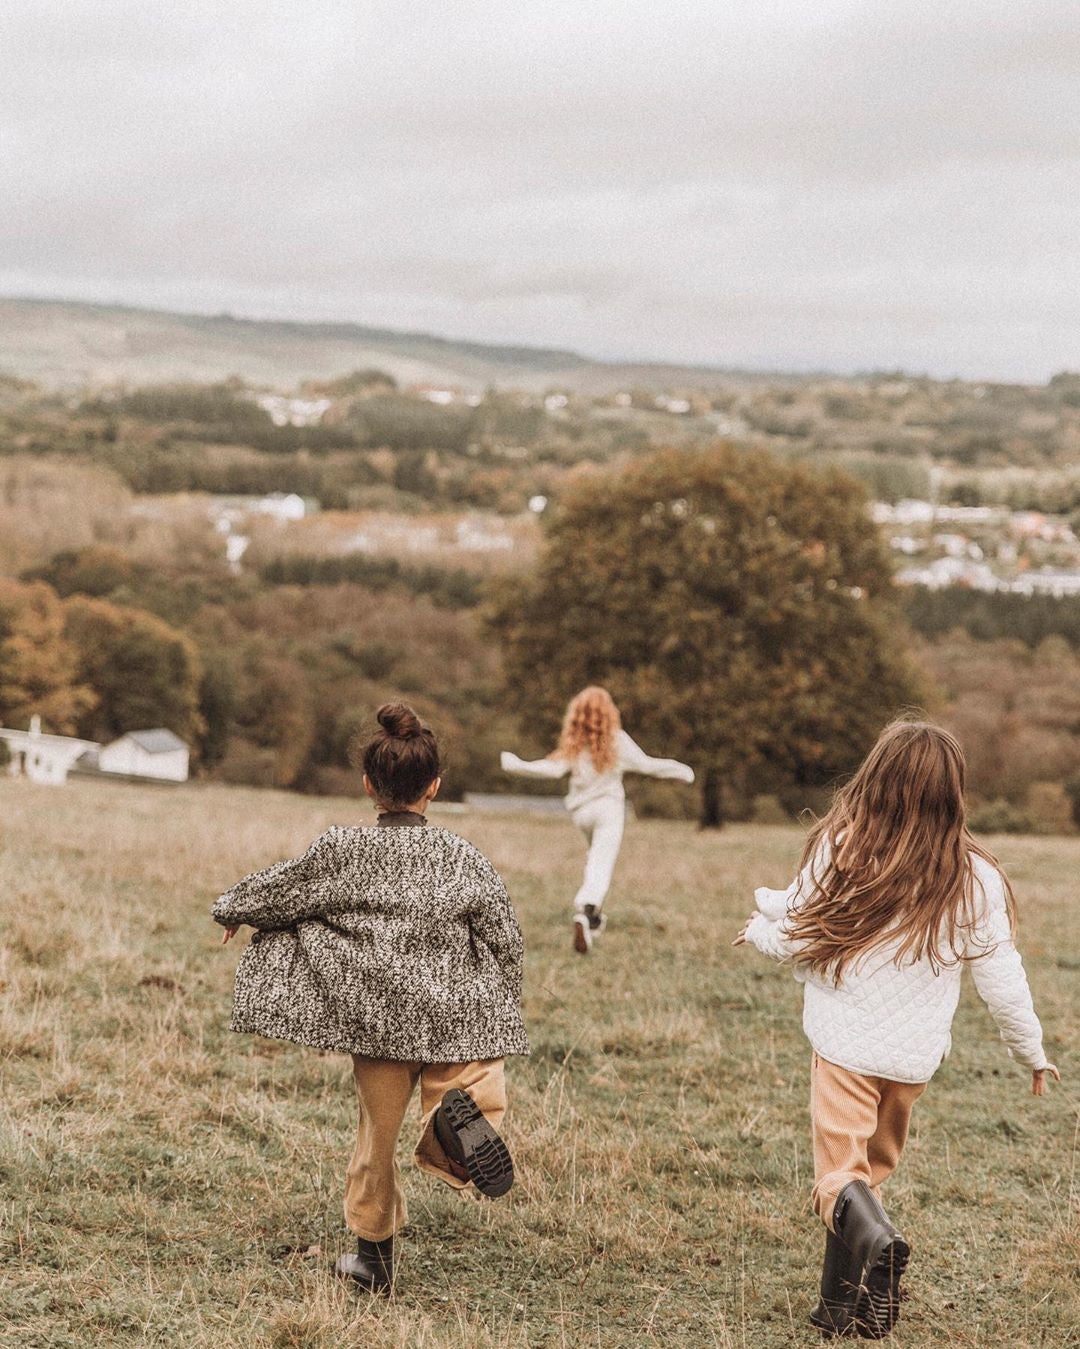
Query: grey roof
159, 741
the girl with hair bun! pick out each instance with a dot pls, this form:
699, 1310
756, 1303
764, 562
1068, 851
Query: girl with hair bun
595, 750
396, 944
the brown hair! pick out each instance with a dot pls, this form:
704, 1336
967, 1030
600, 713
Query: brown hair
899, 861
590, 725
402, 758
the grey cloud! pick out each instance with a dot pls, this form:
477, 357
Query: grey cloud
845, 184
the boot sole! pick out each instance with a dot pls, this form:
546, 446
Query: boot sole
582, 936
483, 1153
878, 1307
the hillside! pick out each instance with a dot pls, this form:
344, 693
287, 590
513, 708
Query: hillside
170, 1183
71, 345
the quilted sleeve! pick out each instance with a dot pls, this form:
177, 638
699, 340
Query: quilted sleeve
285, 893
493, 922
999, 974
768, 927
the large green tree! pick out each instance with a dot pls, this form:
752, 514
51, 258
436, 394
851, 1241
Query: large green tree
740, 610
38, 664
144, 672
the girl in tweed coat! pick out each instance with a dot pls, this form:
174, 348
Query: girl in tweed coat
894, 899
397, 945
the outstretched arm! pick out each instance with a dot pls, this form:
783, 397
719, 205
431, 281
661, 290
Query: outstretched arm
285, 893
533, 768
633, 759
999, 976
767, 929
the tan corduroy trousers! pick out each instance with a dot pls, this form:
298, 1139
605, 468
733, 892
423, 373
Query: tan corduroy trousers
859, 1126
374, 1202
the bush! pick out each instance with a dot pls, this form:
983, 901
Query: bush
999, 817
1049, 808
5, 754
767, 809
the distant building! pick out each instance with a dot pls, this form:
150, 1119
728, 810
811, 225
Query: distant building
285, 411
155, 754
41, 757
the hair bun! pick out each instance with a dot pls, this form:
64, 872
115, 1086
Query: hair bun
399, 721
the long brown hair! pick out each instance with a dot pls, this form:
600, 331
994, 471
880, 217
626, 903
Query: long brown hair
898, 866
591, 725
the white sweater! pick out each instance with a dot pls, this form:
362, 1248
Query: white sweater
885, 1020
586, 783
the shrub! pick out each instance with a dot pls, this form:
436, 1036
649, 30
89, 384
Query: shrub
1049, 808
999, 817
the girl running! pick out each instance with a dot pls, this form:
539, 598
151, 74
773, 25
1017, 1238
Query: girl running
596, 752
396, 944
895, 897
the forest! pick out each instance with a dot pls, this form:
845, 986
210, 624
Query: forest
115, 504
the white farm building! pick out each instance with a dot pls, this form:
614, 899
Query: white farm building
41, 757
146, 754
158, 755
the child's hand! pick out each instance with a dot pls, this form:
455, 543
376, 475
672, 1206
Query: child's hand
740, 940
231, 932
1038, 1079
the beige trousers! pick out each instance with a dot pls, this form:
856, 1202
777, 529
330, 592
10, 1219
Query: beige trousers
374, 1202
859, 1126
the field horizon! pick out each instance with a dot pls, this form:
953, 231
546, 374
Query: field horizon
169, 1183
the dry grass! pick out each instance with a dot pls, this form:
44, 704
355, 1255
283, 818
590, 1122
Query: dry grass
168, 1183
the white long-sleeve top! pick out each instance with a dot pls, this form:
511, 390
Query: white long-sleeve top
885, 1020
587, 784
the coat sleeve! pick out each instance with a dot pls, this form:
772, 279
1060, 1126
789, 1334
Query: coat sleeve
533, 768
494, 924
633, 759
768, 929
286, 893
999, 974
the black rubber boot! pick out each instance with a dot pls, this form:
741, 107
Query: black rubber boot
372, 1267
882, 1255
470, 1141
835, 1313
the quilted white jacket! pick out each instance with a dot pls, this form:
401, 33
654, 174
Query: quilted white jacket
885, 1020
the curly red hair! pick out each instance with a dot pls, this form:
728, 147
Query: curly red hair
591, 725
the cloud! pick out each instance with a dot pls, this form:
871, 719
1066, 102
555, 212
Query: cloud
845, 184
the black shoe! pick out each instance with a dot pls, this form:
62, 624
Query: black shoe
597, 920
835, 1313
470, 1141
371, 1268
882, 1255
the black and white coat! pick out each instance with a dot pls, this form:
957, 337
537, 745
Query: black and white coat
394, 943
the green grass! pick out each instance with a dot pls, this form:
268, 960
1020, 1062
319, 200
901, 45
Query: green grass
164, 1182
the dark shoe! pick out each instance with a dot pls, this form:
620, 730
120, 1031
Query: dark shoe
835, 1313
597, 920
881, 1253
470, 1141
371, 1268
583, 934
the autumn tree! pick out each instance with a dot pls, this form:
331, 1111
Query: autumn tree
144, 672
739, 609
38, 663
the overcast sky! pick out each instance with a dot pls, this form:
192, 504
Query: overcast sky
842, 184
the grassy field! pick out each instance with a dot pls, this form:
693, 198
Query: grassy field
165, 1182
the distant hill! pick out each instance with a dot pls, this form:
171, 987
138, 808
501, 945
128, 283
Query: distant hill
65, 344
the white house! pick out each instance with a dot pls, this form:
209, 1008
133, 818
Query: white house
146, 754
41, 757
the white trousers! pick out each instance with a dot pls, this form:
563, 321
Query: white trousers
602, 824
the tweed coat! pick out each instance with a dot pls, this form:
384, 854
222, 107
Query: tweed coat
393, 943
